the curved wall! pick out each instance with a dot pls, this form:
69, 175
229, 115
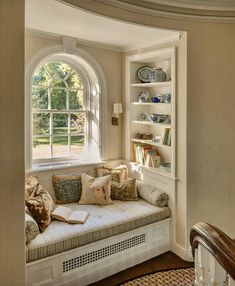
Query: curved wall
209, 195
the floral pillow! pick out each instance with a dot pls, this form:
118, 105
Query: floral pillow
125, 191
67, 188
119, 174
40, 206
95, 191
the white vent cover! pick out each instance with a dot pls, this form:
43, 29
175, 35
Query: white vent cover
103, 252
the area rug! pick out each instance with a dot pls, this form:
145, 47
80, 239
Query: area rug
178, 277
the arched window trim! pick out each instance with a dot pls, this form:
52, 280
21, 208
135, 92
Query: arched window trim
88, 69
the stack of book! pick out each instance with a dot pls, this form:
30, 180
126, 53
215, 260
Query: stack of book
166, 138
146, 155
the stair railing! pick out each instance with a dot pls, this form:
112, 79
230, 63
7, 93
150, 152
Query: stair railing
214, 256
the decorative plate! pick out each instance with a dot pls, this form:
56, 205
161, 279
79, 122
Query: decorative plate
143, 73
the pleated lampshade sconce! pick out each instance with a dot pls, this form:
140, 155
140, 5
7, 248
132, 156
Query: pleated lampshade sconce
117, 109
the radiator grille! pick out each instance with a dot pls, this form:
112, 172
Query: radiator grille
103, 252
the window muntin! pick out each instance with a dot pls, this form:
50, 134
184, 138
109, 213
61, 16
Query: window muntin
59, 112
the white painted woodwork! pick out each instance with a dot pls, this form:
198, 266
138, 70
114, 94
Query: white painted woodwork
208, 271
155, 58
154, 239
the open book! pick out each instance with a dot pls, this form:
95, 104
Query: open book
68, 215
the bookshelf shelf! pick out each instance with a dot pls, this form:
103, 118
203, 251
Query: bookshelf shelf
149, 142
150, 103
146, 152
152, 84
150, 123
159, 170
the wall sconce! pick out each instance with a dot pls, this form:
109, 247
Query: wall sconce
117, 109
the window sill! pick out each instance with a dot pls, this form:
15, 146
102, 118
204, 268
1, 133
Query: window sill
61, 165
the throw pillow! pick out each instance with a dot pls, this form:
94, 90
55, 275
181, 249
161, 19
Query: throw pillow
40, 206
119, 174
125, 191
31, 228
153, 195
95, 191
67, 188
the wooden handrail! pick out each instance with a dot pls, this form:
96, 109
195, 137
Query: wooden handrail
221, 246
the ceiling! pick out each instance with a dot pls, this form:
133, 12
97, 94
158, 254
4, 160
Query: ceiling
60, 19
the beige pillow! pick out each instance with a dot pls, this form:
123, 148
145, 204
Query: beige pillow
119, 174
153, 195
31, 228
125, 191
95, 191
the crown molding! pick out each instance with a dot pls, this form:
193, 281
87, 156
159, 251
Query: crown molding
217, 5
69, 40
172, 9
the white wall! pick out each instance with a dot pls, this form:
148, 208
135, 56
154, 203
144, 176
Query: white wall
110, 63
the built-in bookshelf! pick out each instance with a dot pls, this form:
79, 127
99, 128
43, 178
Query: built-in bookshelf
162, 143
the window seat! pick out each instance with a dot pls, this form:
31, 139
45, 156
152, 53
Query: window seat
103, 222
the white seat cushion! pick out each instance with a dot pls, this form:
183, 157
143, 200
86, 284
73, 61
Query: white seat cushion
103, 221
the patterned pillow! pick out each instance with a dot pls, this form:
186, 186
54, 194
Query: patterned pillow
31, 228
95, 191
67, 188
152, 194
40, 206
119, 174
125, 191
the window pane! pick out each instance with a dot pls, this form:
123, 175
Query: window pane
76, 99
41, 148
60, 124
77, 122
60, 146
41, 77
39, 97
58, 70
58, 99
41, 123
74, 80
77, 145
58, 83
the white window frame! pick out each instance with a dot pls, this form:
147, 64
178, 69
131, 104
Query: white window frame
93, 77
86, 103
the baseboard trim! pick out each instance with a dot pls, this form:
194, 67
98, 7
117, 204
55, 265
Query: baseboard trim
184, 253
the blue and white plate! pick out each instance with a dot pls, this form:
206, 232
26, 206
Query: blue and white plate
143, 73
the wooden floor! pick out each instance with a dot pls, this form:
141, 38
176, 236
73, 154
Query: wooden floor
165, 261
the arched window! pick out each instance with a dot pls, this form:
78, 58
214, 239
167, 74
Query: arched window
59, 111
64, 122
